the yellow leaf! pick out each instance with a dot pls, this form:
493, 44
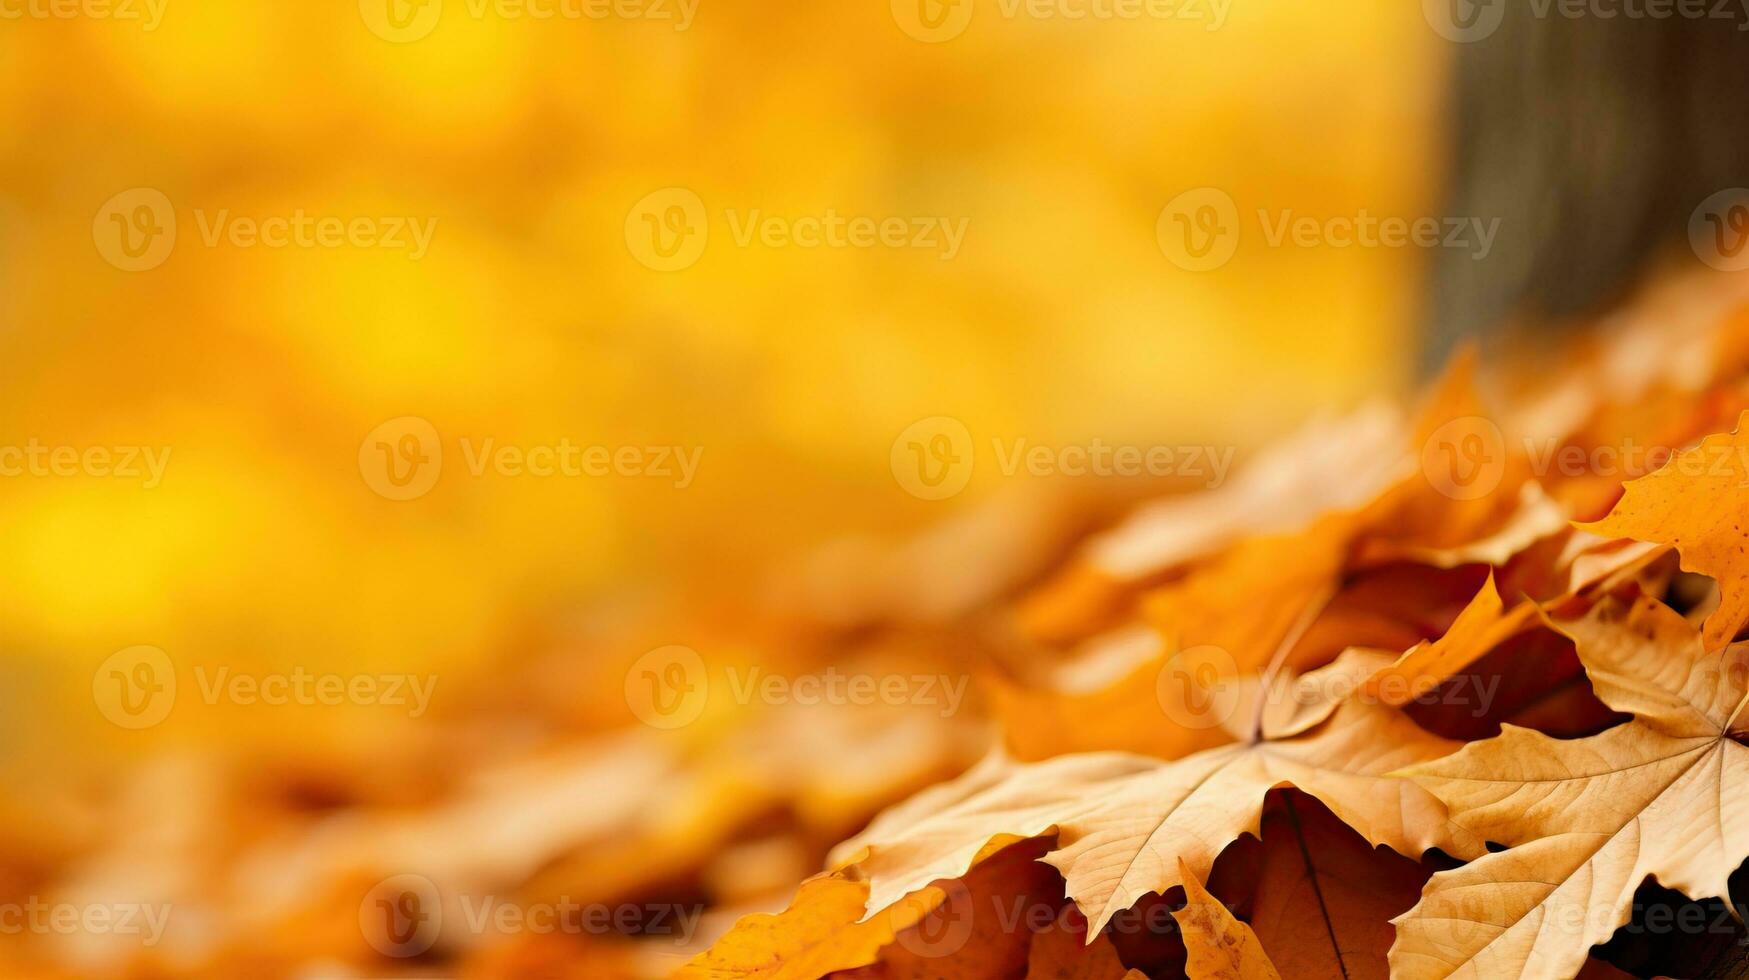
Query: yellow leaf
817, 934
1217, 946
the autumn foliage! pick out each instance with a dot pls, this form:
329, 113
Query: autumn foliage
1446, 689
1463, 710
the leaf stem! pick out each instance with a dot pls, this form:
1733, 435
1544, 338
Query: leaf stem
1295, 632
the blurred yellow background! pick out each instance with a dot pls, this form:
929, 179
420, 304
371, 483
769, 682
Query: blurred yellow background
529, 320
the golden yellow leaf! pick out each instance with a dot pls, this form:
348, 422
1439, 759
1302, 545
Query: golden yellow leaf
817, 934
1698, 502
1482, 626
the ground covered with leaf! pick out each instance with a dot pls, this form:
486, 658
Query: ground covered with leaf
1451, 687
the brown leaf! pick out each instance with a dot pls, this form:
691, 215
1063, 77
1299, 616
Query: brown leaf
1061, 951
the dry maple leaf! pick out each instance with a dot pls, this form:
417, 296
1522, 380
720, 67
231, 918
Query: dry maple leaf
1587, 820
1217, 946
1482, 626
1124, 822
1698, 502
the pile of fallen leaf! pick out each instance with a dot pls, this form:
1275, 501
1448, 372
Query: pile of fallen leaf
1451, 688
1451, 692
